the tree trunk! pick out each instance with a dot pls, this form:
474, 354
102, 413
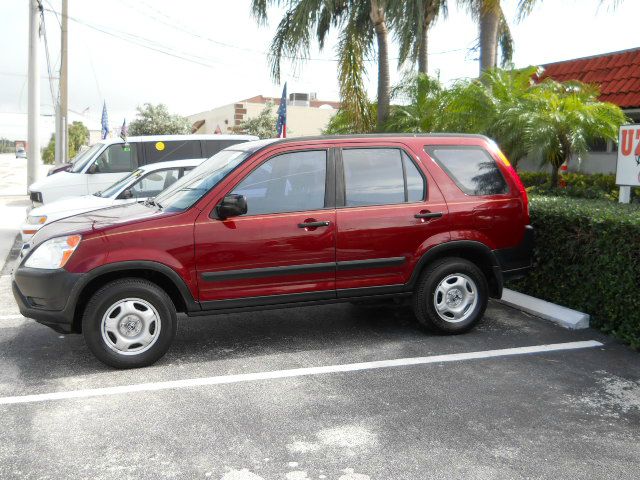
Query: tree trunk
423, 62
489, 22
423, 49
554, 176
378, 19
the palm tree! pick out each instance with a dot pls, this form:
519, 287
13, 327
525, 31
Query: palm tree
558, 121
411, 21
494, 29
468, 106
361, 23
423, 105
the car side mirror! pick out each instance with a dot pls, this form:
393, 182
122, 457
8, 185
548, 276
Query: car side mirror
232, 205
126, 194
93, 168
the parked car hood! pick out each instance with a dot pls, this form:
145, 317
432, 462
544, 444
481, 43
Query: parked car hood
97, 220
60, 168
71, 206
60, 179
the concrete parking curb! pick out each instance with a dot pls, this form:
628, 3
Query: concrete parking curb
565, 317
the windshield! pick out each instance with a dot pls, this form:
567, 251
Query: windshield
193, 186
80, 161
113, 190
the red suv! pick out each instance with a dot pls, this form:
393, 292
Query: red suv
440, 218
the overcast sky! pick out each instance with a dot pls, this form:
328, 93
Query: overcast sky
214, 53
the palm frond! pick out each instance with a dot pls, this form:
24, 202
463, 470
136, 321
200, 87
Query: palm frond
354, 46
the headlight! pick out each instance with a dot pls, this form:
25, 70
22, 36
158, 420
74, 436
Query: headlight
37, 220
53, 253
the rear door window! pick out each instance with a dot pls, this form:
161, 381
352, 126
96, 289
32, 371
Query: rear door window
161, 151
472, 169
380, 176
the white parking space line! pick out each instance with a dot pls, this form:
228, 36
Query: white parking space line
10, 317
295, 372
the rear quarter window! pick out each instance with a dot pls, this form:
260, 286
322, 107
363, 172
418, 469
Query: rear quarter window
472, 169
211, 147
160, 151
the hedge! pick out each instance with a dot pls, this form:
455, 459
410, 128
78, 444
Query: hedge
587, 257
578, 185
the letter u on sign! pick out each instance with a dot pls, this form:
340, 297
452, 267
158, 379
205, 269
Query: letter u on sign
628, 168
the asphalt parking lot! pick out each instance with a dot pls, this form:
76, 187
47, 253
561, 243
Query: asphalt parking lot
568, 413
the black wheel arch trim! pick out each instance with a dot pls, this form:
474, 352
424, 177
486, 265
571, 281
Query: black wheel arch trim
458, 245
176, 279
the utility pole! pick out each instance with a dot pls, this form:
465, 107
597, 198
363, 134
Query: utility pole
64, 84
33, 147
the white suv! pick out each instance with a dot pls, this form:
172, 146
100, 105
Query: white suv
112, 159
145, 182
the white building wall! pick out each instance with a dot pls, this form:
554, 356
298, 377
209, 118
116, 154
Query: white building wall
301, 121
593, 162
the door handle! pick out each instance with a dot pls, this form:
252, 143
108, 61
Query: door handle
428, 215
313, 224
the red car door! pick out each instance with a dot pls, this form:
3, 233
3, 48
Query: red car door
389, 212
283, 249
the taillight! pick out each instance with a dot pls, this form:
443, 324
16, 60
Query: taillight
515, 177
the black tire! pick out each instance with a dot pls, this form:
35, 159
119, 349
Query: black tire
139, 294
424, 296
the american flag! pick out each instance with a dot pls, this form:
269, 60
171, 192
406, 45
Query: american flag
281, 124
123, 129
105, 121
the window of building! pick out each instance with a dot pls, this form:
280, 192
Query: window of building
472, 169
598, 145
291, 182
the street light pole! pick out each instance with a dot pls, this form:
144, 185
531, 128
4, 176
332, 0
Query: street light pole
64, 107
33, 142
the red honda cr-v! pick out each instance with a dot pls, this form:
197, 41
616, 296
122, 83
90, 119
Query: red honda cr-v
276, 223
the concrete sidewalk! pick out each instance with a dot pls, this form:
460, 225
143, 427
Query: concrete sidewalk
13, 200
13, 211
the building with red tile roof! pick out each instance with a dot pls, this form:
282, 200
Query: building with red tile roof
617, 74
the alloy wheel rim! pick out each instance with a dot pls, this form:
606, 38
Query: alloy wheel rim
130, 326
455, 298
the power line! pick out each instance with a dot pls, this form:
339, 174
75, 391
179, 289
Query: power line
146, 43
203, 61
23, 75
175, 25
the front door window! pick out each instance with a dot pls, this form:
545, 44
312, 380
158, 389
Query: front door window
118, 158
291, 182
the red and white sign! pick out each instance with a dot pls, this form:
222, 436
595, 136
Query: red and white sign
628, 171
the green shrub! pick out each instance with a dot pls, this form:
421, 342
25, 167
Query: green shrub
587, 257
578, 185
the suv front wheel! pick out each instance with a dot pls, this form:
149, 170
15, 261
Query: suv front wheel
129, 323
451, 296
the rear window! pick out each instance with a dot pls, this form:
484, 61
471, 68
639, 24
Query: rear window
472, 169
160, 151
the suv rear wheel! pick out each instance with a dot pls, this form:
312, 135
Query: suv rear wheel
129, 323
451, 296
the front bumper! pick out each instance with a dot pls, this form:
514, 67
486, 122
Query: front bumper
515, 262
47, 296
